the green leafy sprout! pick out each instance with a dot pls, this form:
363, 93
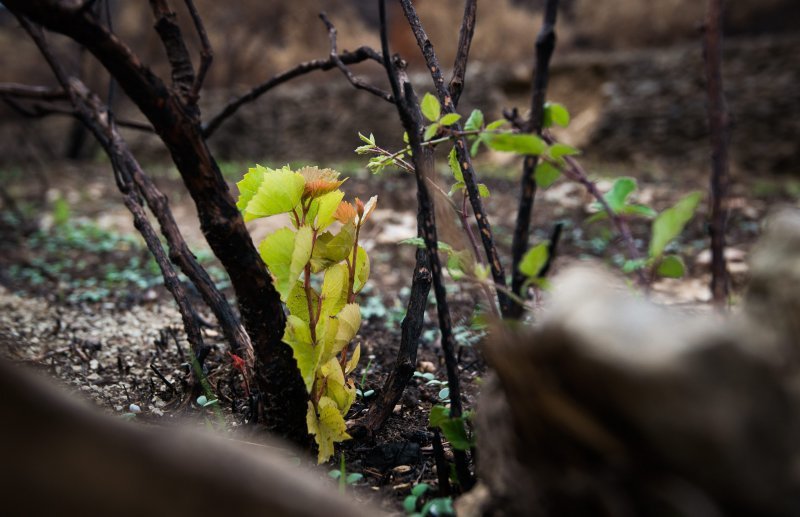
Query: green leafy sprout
321, 322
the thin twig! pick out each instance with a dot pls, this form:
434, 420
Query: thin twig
718, 123
40, 110
545, 44
575, 172
31, 92
355, 81
206, 53
348, 58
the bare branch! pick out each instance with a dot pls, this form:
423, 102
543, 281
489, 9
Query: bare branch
462, 151
355, 81
422, 157
348, 58
545, 44
719, 125
183, 77
31, 92
206, 53
179, 128
95, 117
462, 52
40, 110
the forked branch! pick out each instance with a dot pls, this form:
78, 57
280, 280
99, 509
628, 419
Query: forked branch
462, 152
410, 116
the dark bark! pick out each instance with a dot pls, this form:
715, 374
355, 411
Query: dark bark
406, 360
462, 51
462, 151
410, 116
221, 223
545, 44
718, 124
94, 116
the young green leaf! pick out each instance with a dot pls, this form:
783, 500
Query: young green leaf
483, 190
671, 266
454, 267
298, 336
430, 107
497, 124
618, 195
420, 489
639, 210
297, 301
410, 504
474, 121
455, 432
455, 167
534, 260
559, 150
669, 224
278, 192
546, 174
361, 271
633, 265
430, 131
276, 251
301, 253
328, 204
334, 291
248, 186
327, 427
438, 415
349, 323
555, 113
450, 119
516, 143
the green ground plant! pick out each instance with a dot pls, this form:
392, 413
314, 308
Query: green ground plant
323, 316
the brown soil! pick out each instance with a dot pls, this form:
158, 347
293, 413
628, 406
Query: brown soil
114, 351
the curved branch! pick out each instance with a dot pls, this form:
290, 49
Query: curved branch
355, 81
346, 58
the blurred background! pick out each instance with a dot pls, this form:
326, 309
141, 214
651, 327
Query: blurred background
629, 71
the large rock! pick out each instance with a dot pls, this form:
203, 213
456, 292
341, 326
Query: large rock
614, 406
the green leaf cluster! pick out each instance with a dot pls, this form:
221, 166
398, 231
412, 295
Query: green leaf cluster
666, 226
321, 322
454, 429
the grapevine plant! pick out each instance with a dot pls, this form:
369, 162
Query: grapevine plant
323, 315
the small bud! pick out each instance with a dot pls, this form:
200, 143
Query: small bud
359, 208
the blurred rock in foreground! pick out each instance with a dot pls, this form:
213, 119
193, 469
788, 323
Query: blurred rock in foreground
614, 406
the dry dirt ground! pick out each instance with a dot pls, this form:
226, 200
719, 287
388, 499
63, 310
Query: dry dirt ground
81, 301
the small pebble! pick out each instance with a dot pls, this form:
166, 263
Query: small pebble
427, 367
133, 408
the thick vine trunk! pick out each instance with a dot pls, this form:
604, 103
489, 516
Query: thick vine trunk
179, 126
